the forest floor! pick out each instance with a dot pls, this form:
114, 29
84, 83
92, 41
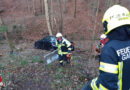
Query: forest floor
25, 69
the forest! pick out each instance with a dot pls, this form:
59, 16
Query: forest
23, 22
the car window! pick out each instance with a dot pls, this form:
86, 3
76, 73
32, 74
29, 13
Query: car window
53, 40
48, 38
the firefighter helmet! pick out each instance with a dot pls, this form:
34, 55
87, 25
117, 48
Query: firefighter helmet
114, 17
58, 35
103, 36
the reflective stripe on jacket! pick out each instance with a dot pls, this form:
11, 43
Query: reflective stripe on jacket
64, 46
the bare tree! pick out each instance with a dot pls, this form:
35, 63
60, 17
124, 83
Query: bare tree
64, 4
94, 29
28, 5
48, 17
42, 6
60, 15
51, 15
110, 2
117, 1
75, 8
34, 7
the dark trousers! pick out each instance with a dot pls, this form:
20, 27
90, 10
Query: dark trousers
62, 58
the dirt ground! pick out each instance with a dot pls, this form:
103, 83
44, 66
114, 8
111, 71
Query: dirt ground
25, 69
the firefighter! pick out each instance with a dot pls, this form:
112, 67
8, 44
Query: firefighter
64, 49
115, 56
101, 43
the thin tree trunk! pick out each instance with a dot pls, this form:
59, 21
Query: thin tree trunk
94, 30
43, 9
42, 6
75, 8
1, 21
34, 8
110, 3
117, 1
98, 2
48, 17
52, 14
10, 42
28, 6
60, 19
65, 8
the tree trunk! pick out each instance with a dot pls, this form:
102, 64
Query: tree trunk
48, 17
34, 8
42, 6
110, 3
28, 6
64, 3
60, 19
52, 14
75, 8
10, 42
117, 1
94, 31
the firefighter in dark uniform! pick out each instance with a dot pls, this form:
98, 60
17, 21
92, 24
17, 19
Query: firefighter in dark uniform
115, 56
64, 48
101, 43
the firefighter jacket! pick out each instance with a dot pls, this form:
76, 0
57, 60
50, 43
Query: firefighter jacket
114, 62
64, 47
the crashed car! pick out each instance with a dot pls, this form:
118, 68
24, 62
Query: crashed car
46, 43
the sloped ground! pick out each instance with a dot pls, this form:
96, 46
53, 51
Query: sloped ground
26, 70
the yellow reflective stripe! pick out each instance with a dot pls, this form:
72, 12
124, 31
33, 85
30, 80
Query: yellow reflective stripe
69, 48
59, 49
63, 44
56, 43
110, 68
64, 52
68, 45
120, 75
61, 61
59, 46
93, 84
124, 18
101, 87
59, 52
